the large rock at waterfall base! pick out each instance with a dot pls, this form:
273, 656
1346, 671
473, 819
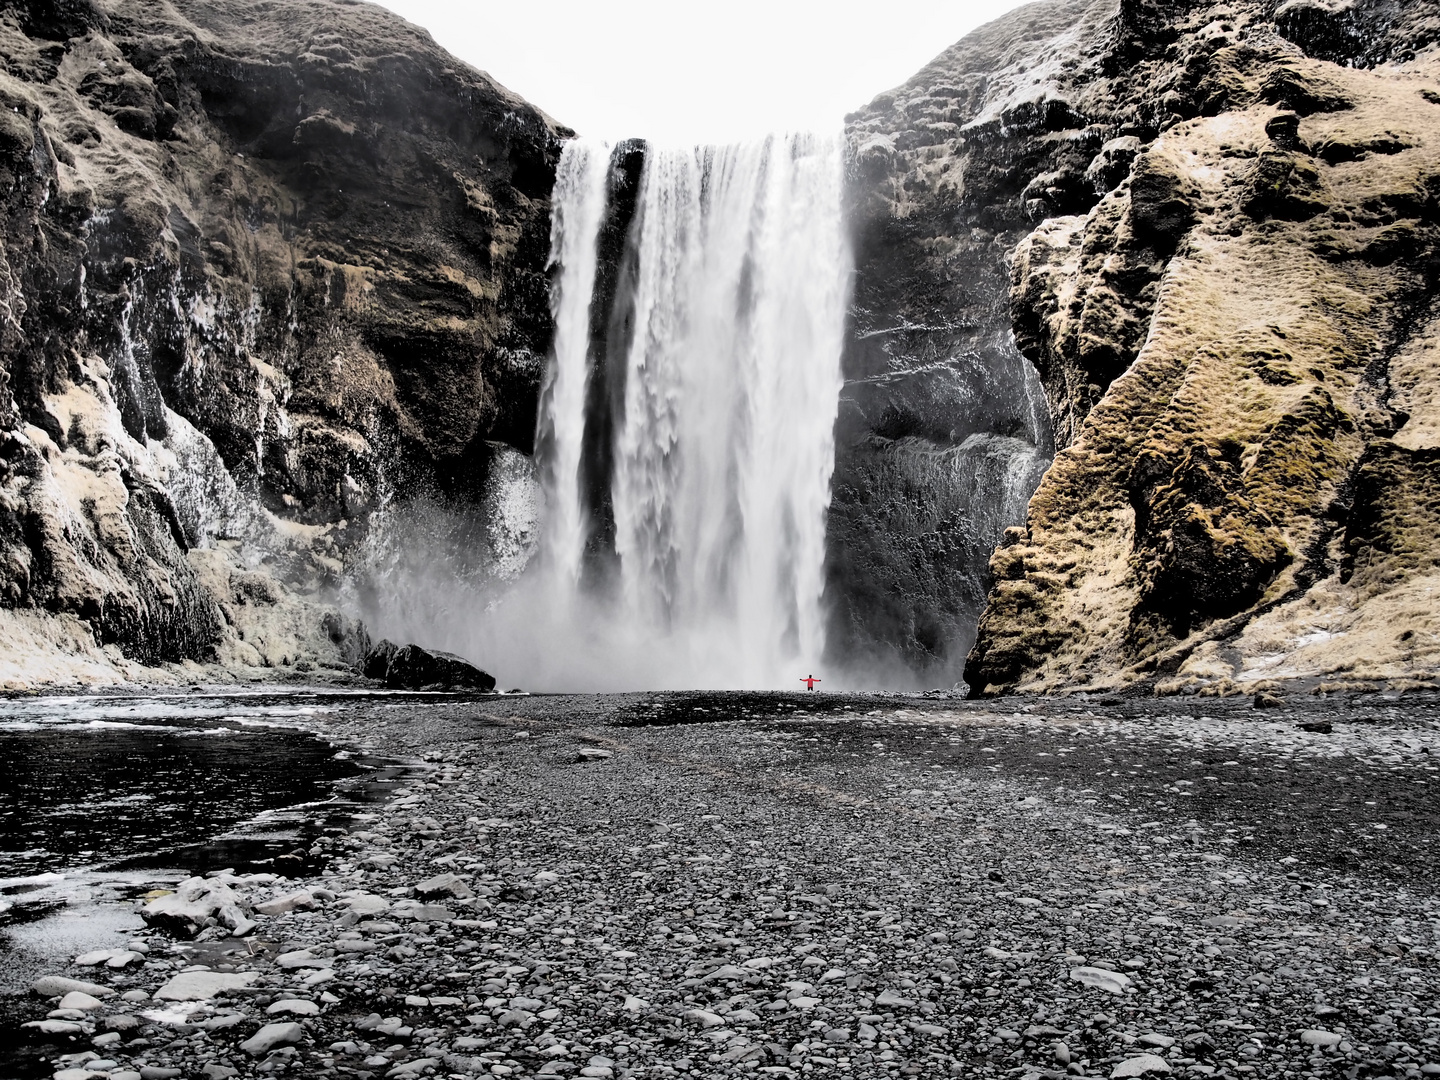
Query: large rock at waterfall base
413, 668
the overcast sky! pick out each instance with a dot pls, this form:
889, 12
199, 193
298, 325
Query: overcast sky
686, 71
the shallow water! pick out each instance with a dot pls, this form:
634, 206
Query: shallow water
99, 781
101, 797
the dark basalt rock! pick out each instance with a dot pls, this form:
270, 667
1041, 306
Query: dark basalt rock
413, 668
299, 251
377, 660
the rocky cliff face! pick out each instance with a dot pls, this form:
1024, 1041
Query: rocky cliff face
1221, 226
265, 267
943, 430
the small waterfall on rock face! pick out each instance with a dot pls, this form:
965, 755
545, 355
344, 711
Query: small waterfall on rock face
686, 437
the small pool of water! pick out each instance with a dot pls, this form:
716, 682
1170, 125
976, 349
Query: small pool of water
102, 796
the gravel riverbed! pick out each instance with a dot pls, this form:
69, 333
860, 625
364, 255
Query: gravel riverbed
708, 885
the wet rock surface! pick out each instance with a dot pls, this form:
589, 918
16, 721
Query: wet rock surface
411, 667
1181, 194
828, 885
267, 269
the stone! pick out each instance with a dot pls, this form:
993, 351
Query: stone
368, 904
272, 1035
704, 1018
114, 958
302, 900
444, 885
195, 902
415, 668
300, 958
1326, 1040
1141, 1065
158, 1072
77, 1000
58, 986
892, 999
203, 985
1112, 982
294, 1006
350, 945
56, 1027
1160, 1042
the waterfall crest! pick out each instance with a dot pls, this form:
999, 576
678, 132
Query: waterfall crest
711, 368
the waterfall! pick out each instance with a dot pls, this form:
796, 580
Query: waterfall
697, 557
579, 204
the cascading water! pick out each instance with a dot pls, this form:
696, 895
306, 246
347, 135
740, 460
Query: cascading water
579, 206
706, 378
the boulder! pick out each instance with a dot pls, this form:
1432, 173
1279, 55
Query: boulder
80, 1000
414, 668
59, 986
296, 901
272, 1035
203, 985
194, 902
377, 660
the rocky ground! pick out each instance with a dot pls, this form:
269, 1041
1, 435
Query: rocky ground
716, 885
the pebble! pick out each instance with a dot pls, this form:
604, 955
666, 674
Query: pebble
272, 1035
724, 926
1141, 1065
203, 985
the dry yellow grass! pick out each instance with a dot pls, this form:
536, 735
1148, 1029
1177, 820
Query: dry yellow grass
1258, 424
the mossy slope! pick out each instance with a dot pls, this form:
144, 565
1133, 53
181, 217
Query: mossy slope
1240, 351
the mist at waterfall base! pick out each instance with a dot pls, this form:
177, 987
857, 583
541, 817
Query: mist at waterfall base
676, 517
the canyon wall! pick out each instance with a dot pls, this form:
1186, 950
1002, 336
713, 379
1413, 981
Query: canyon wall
1227, 284
266, 269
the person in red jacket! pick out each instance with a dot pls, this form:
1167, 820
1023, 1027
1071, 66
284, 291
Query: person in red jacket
810, 682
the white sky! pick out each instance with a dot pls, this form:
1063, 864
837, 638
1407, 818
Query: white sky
686, 71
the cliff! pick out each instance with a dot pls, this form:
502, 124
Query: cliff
1212, 229
943, 430
265, 268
